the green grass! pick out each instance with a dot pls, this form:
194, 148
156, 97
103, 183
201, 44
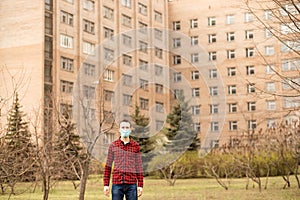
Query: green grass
186, 189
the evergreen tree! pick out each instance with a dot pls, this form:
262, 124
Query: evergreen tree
180, 132
19, 161
67, 148
141, 134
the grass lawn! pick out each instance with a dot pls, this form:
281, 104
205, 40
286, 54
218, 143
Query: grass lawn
186, 189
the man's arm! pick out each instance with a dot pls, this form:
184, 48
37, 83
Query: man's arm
139, 168
107, 170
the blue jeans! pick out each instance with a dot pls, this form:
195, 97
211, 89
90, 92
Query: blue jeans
120, 190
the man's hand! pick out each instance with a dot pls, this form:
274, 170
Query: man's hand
106, 191
139, 191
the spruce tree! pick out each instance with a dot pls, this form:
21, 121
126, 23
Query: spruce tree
19, 160
141, 134
180, 132
67, 148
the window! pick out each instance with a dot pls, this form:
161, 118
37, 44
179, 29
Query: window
252, 124
178, 93
66, 41
197, 127
127, 80
143, 28
268, 14
159, 107
230, 36
232, 107
270, 87
158, 52
66, 64
176, 59
212, 38
251, 106
177, 76
126, 3
249, 34
159, 88
88, 91
212, 55
271, 105
108, 33
213, 73
108, 95
143, 46
213, 91
88, 5
194, 23
231, 71
48, 23
158, 70
127, 100
144, 104
89, 48
66, 86
88, 26
89, 69
176, 26
126, 20
194, 57
158, 34
269, 50
47, 73
127, 60
143, 65
233, 125
194, 40
108, 13
250, 70
159, 125
291, 102
271, 123
230, 54
270, 69
214, 109
212, 21
142, 9
108, 75
214, 126
108, 54
176, 42
290, 65
195, 75
251, 88
66, 109
144, 84
229, 19
126, 40
232, 89
49, 47
66, 18
195, 92
195, 110
249, 17
249, 52
158, 16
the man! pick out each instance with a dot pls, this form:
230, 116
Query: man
127, 177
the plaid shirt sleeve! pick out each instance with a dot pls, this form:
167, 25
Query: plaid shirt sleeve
108, 166
139, 168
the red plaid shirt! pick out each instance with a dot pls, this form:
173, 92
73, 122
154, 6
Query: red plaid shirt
127, 163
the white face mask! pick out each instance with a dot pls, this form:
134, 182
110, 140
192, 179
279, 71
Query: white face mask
125, 133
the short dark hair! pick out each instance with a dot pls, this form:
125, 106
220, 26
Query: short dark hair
125, 120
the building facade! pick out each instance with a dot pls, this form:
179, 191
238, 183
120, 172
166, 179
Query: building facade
114, 55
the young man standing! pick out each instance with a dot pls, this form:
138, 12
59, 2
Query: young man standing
127, 177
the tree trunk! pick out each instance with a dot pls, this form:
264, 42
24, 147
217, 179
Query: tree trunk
84, 177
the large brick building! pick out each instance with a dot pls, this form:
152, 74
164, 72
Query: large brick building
145, 52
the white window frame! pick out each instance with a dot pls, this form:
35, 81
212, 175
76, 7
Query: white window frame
230, 19
66, 41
